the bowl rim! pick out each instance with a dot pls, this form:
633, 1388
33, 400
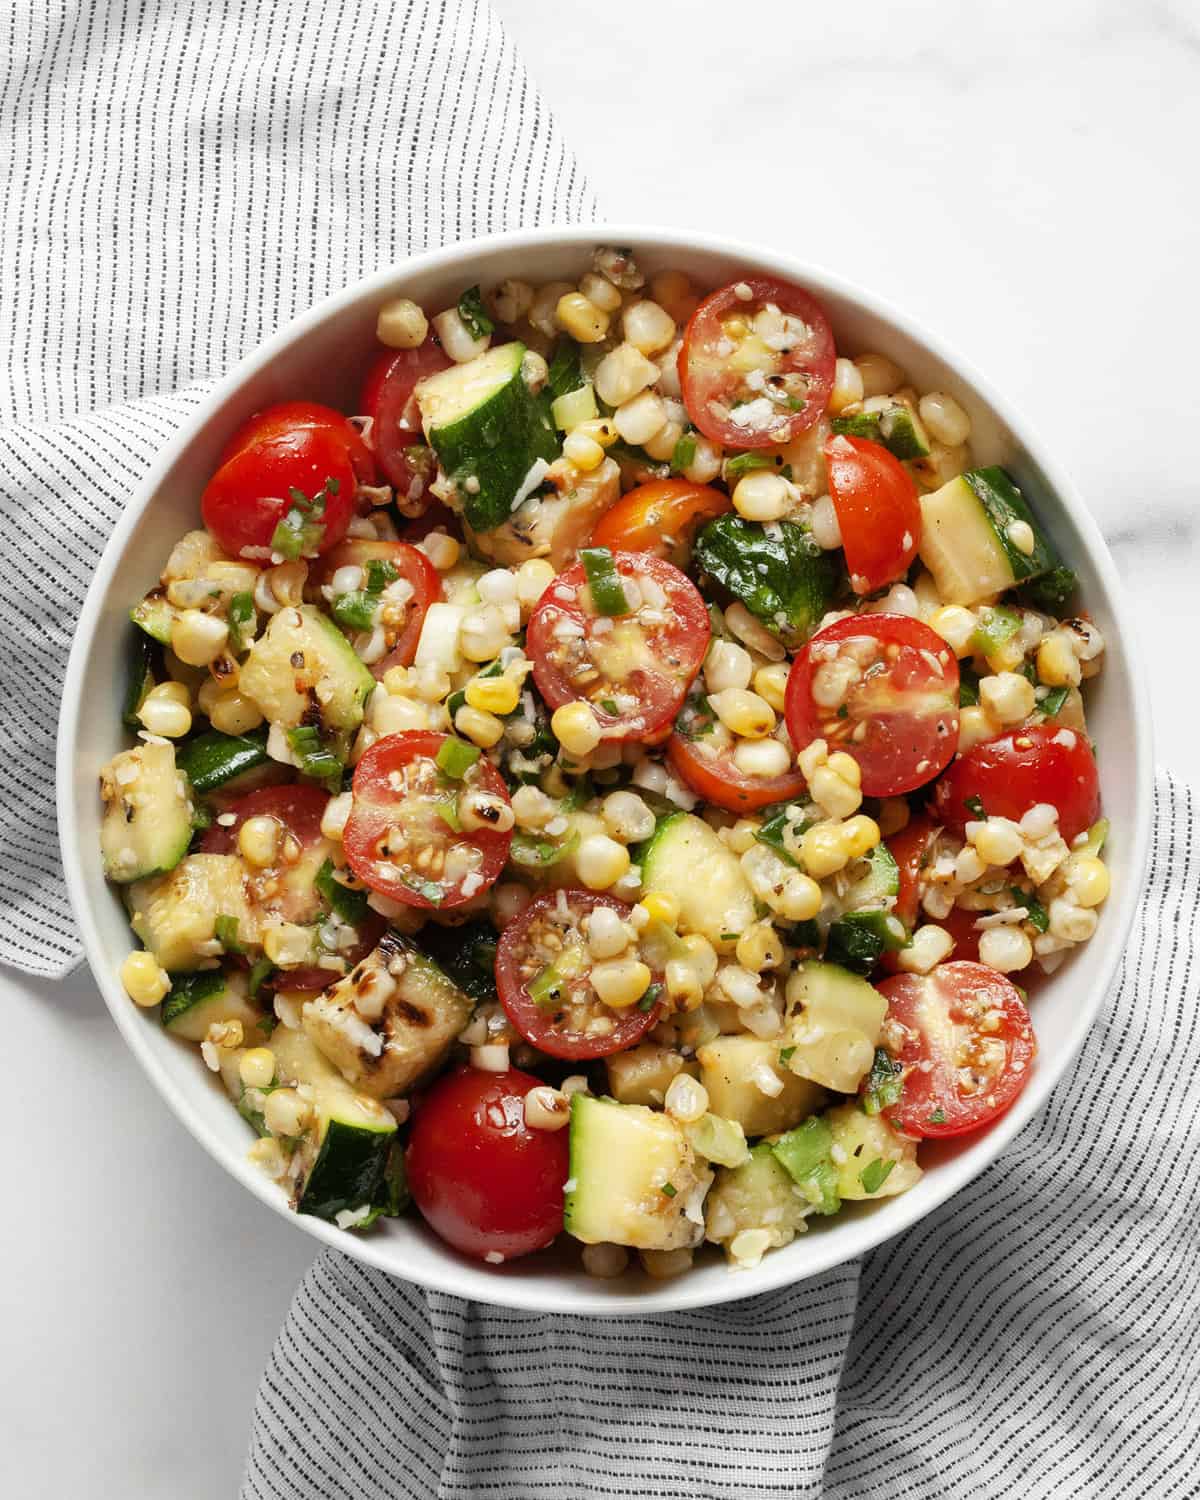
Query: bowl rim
452, 1275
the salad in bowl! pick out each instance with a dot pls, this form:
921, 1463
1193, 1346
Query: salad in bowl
619, 784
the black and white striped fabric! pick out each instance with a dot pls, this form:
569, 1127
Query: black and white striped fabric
1037, 1337
176, 182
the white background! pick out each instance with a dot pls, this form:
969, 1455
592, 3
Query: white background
1022, 180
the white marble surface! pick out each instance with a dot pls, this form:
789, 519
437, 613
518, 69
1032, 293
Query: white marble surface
1022, 179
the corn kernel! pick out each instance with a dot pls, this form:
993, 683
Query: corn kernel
620, 982
675, 294
1005, 949
763, 758
256, 1067
622, 373
975, 724
859, 836
234, 713
743, 712
601, 861
533, 579
285, 1112
762, 496
287, 944
494, 695
998, 842
197, 638
847, 386
165, 714
482, 729
584, 452
822, 850
600, 291
956, 625
648, 327
581, 318
1057, 664
929, 946
401, 324
1088, 878
770, 683
660, 907
575, 728
145, 981
1008, 697
258, 840
759, 948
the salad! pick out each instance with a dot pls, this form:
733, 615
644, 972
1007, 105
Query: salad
621, 783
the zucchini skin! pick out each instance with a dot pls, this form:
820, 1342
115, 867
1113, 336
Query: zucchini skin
348, 1172
212, 758
1003, 503
142, 654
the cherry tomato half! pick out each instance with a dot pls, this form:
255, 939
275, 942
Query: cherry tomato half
661, 517
387, 398
878, 512
483, 1180
884, 688
543, 969
912, 848
404, 837
404, 630
966, 1051
285, 890
634, 668
757, 370
711, 773
298, 446
1018, 770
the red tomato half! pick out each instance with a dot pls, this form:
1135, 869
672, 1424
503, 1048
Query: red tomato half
295, 446
660, 517
484, 1181
404, 631
1018, 770
878, 512
404, 837
387, 398
884, 688
779, 333
543, 970
634, 668
712, 774
911, 848
286, 890
967, 1047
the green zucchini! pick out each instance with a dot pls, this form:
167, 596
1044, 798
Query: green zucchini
212, 758
858, 939
303, 671
492, 435
896, 427
198, 1001
176, 914
155, 615
148, 813
776, 570
806, 1154
970, 535
141, 677
757, 1194
685, 859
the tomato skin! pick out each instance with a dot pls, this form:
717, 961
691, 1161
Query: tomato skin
704, 374
902, 749
483, 1180
961, 993
387, 398
532, 1020
372, 814
413, 566
297, 445
718, 780
878, 512
1016, 771
679, 644
644, 519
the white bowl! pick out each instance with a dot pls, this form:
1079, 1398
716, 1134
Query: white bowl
321, 355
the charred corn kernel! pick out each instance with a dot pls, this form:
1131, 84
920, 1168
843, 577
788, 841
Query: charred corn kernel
945, 420
482, 729
494, 695
601, 430
743, 712
146, 981
762, 496
234, 713
581, 318
258, 840
336, 815
638, 419
575, 728
547, 1108
975, 724
847, 386
165, 714
1008, 697
675, 294
622, 373
1057, 664
256, 1068
956, 625
648, 327
859, 836
601, 861
880, 375
763, 758
683, 984
759, 948
620, 982
930, 945
600, 292
627, 817
770, 683
533, 579
197, 638
1006, 949
401, 324
660, 907
893, 815
998, 842
823, 851
285, 1112
442, 551
833, 794
584, 452
478, 809
1088, 879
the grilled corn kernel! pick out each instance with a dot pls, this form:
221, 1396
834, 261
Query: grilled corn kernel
743, 712
800, 899
547, 1108
847, 386
575, 728
975, 724
287, 944
834, 794
533, 579
197, 638
1005, 948
945, 419
622, 373
998, 842
483, 633
763, 758
956, 625
601, 861
1008, 697
600, 291
706, 462
285, 1112
929, 946
638, 419
234, 713
442, 551
258, 840
620, 982
146, 981
675, 294
727, 665
762, 496
581, 318
759, 948
256, 1068
1088, 878
511, 300
584, 452
823, 851
482, 729
859, 836
493, 695
1057, 664
1070, 921
770, 683
336, 815
880, 375
660, 907
686, 1098
163, 713
627, 817
401, 324
648, 327
601, 430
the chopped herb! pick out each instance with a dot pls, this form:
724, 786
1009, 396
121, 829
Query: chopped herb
1038, 917
780, 574
225, 930
546, 987
884, 1083
456, 757
315, 760
1052, 703
938, 1117
1052, 590
263, 967
241, 614
302, 529
744, 463
684, 455
609, 705
565, 374
380, 573
668, 1189
781, 827
968, 685
430, 889
730, 937
785, 1055
875, 1174
651, 998
471, 311
604, 582
355, 609
350, 905
974, 805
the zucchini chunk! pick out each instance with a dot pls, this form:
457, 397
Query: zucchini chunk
685, 859
555, 524
155, 615
757, 1195
303, 670
730, 1067
634, 1178
391, 1021
643, 1074
198, 1001
148, 813
866, 928
975, 532
175, 915
806, 1153
832, 1025
493, 437
872, 1159
897, 427
213, 758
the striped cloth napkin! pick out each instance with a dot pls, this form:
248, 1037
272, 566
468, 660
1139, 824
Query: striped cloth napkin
176, 182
